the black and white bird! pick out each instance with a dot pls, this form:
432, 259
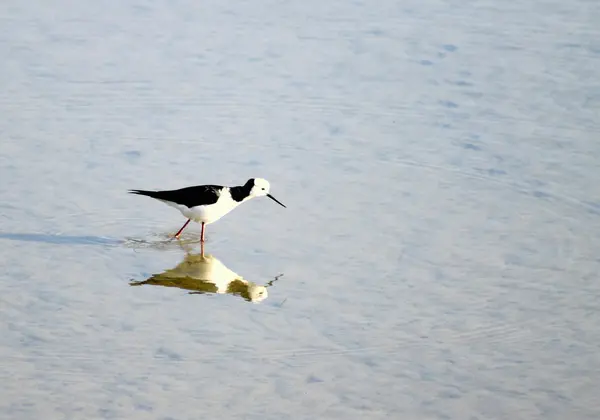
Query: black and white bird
206, 204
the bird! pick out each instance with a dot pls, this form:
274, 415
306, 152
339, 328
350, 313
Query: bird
206, 204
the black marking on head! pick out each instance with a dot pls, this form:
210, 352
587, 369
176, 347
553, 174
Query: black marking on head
200, 195
239, 193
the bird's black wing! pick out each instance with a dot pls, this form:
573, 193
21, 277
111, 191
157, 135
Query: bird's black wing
199, 195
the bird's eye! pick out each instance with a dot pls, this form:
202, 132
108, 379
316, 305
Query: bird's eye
263, 189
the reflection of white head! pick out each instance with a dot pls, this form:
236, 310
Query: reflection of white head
257, 293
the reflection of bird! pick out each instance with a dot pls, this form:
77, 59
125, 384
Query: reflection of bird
206, 274
208, 203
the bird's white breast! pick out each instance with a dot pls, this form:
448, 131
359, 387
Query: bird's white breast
212, 212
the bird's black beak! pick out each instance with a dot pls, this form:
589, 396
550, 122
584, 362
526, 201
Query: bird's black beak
275, 200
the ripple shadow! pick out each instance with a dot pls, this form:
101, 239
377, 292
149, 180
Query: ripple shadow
60, 239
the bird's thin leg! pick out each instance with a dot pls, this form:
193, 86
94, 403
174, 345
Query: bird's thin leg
202, 236
181, 230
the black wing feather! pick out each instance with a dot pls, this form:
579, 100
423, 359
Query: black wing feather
200, 195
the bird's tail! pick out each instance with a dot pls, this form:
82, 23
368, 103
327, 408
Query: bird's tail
153, 194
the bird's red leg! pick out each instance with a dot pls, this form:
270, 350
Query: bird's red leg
202, 237
181, 230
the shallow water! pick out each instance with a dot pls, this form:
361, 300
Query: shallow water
438, 256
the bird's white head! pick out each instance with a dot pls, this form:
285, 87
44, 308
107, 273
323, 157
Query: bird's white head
260, 187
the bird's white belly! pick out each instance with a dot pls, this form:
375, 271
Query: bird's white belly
207, 214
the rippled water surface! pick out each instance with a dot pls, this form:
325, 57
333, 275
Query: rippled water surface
438, 257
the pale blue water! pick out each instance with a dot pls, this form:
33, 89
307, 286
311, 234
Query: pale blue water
439, 161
